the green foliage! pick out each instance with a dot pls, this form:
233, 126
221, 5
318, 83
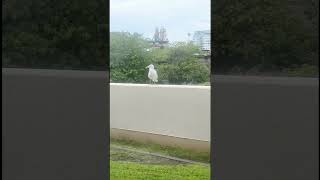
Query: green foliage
262, 34
55, 34
128, 57
189, 71
176, 64
160, 55
136, 171
182, 51
185, 67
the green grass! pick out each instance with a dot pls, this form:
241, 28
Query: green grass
136, 171
165, 150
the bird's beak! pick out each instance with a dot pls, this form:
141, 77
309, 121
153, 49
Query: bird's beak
147, 67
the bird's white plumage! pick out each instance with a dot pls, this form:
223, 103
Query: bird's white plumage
152, 75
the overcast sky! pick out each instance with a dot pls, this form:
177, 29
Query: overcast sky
179, 17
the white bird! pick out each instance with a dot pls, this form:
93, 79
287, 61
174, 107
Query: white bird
152, 75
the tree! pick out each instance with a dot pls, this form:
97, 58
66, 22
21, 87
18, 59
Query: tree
189, 71
261, 34
178, 64
182, 51
128, 57
55, 34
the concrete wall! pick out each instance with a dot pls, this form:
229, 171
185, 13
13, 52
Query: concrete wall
171, 110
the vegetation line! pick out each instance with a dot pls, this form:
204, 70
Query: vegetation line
160, 155
165, 150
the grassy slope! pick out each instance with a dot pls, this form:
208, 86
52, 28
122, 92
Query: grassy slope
135, 171
171, 151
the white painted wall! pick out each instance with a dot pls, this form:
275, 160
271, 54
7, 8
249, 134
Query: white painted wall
173, 110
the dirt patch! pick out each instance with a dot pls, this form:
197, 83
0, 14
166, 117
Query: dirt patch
121, 154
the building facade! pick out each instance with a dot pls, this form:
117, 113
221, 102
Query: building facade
202, 39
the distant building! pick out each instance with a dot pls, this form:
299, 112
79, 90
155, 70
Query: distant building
160, 38
202, 39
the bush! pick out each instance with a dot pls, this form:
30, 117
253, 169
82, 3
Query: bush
190, 71
128, 58
262, 34
55, 34
175, 64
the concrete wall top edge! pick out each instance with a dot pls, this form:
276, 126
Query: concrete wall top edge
54, 73
160, 85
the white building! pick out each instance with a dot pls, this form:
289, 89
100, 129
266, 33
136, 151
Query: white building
202, 39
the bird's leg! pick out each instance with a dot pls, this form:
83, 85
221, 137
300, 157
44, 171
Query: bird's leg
150, 81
